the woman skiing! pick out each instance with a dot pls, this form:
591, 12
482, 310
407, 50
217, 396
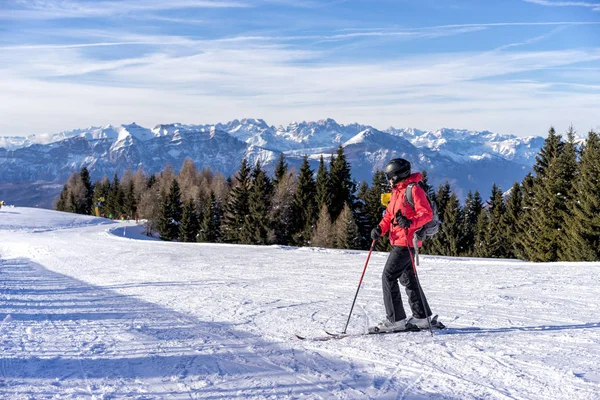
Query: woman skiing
402, 220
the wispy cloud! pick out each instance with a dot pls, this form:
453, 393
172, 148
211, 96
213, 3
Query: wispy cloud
43, 9
304, 3
81, 45
234, 79
531, 40
183, 21
128, 39
593, 6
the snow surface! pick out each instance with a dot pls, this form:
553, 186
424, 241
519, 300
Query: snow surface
87, 310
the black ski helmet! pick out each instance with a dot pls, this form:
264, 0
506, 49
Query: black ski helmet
397, 170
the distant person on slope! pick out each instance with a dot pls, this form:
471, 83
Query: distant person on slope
401, 220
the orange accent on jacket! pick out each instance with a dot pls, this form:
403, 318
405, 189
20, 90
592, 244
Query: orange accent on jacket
418, 216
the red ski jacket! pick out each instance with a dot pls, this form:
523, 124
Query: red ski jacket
418, 216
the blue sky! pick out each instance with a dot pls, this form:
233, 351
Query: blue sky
511, 66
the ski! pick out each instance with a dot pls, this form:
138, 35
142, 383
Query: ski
333, 336
329, 336
435, 324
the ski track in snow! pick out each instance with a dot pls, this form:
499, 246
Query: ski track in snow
90, 310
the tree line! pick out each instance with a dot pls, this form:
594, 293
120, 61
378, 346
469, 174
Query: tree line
552, 215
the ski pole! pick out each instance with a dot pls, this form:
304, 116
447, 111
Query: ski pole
415, 262
359, 283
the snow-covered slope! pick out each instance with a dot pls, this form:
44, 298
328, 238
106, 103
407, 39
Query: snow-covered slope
88, 311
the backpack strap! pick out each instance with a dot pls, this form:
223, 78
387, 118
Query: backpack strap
408, 196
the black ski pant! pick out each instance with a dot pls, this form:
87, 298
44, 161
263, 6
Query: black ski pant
399, 267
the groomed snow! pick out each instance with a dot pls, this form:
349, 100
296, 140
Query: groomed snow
87, 310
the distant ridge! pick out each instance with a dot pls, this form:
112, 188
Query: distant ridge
469, 160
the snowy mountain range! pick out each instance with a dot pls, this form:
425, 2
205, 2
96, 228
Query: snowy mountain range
34, 168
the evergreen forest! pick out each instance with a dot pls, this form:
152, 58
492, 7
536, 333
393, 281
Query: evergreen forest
553, 214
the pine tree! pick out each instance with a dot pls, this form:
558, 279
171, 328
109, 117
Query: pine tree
72, 203
360, 213
322, 185
346, 235
538, 241
481, 248
549, 201
170, 214
526, 237
582, 235
568, 167
341, 186
188, 229
257, 227
129, 200
304, 205
494, 235
174, 201
552, 147
211, 221
281, 169
567, 176
167, 230
88, 191
237, 206
471, 211
451, 231
115, 199
63, 199
323, 236
511, 221
442, 197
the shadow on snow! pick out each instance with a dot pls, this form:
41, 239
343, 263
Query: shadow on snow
121, 339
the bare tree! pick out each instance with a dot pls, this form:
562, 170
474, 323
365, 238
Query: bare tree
323, 234
188, 179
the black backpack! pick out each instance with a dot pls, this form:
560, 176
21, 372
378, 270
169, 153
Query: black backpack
432, 227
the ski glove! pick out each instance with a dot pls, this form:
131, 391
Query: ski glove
375, 233
402, 221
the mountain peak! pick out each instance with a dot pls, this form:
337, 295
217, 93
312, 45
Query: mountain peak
254, 121
136, 131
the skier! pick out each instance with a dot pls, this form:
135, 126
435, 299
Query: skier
402, 220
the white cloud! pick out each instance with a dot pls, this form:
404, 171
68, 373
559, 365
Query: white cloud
43, 9
225, 80
593, 6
